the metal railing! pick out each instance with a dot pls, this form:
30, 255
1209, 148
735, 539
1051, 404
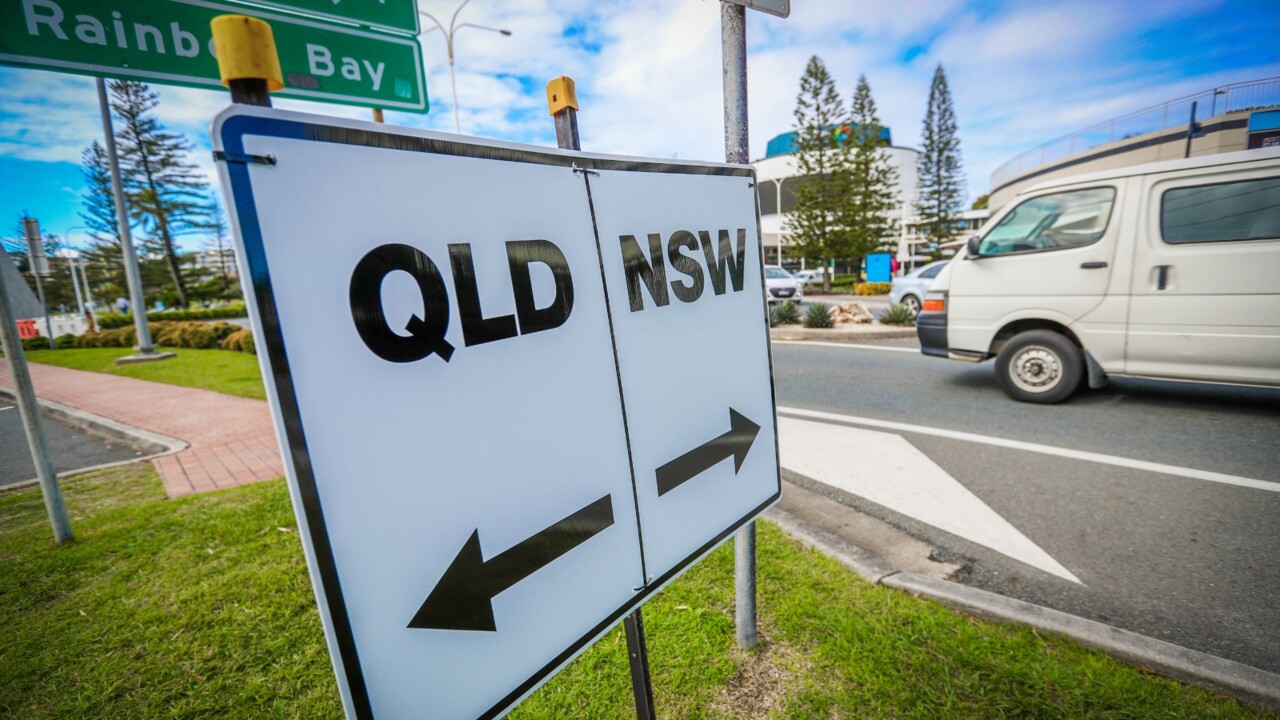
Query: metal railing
1175, 113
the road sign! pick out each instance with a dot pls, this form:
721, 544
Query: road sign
781, 8
35, 246
519, 391
169, 41
394, 15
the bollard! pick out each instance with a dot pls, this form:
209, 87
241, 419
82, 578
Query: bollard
562, 101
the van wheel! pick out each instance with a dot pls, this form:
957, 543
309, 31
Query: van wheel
913, 304
1039, 366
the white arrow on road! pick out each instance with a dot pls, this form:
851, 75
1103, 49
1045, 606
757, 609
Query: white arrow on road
889, 471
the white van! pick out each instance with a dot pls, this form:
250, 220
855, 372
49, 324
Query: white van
1169, 270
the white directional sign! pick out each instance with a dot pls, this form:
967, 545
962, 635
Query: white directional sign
518, 390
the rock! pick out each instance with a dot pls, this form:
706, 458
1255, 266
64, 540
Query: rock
851, 313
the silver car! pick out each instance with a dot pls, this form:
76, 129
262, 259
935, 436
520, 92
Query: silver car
780, 285
910, 289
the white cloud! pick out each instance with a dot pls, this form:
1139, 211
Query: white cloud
649, 73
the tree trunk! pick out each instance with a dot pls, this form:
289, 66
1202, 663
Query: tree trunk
171, 260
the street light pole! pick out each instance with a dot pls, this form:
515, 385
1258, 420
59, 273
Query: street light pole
453, 28
79, 262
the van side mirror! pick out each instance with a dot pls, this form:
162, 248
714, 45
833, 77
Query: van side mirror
971, 247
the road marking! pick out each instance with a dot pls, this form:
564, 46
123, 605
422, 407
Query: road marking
848, 345
1086, 456
888, 470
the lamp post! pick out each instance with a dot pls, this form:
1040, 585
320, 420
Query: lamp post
78, 260
452, 30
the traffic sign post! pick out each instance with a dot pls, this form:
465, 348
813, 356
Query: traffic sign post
519, 392
562, 101
170, 41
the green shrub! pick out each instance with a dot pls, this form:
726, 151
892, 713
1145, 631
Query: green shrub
869, 288
108, 321
64, 341
192, 334
818, 316
240, 341
38, 342
898, 315
784, 313
111, 321
115, 337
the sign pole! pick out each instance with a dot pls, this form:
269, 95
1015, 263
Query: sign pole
30, 412
39, 266
733, 37
562, 100
133, 278
247, 58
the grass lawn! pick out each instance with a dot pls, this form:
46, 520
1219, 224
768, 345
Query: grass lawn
229, 372
201, 608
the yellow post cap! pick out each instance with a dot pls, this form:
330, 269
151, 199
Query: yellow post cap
246, 50
561, 94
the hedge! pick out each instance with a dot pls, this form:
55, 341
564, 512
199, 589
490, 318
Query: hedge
109, 321
872, 288
199, 335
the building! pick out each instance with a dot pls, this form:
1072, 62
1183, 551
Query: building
215, 262
1230, 118
777, 180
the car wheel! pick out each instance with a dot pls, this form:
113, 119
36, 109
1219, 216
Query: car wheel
1039, 366
913, 304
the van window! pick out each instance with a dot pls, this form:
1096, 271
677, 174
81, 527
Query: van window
1242, 210
1052, 222
932, 271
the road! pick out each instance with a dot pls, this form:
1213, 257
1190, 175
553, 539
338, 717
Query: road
72, 449
1146, 505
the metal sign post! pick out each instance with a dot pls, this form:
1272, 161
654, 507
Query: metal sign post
133, 277
30, 412
562, 101
39, 263
733, 36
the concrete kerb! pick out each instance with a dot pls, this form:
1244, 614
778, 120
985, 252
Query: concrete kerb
151, 444
1241, 681
846, 333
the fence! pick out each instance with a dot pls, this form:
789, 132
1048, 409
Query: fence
1175, 113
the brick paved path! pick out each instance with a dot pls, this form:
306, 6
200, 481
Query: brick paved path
231, 439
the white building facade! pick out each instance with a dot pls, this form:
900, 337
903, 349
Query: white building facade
777, 180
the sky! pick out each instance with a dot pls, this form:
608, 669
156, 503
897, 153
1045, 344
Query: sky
648, 76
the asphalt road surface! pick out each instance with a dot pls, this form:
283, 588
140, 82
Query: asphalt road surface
72, 449
1147, 505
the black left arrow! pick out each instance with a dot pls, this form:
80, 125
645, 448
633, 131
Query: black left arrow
463, 599
734, 444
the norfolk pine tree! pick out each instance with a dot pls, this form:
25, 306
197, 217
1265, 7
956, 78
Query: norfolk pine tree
822, 164
103, 259
873, 181
941, 174
167, 194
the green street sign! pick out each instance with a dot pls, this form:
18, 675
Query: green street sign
169, 42
393, 15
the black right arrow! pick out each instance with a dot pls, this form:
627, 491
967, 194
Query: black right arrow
735, 443
462, 600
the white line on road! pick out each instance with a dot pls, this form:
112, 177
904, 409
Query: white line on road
855, 346
1037, 448
887, 469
